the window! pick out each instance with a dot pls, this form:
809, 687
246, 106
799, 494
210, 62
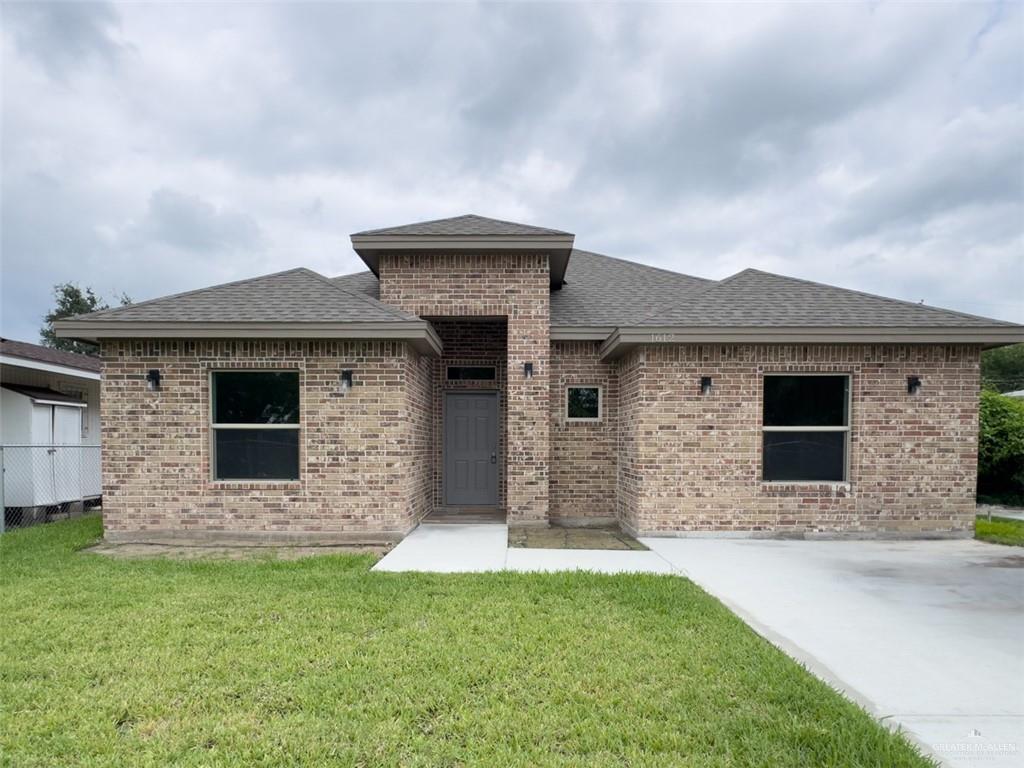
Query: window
471, 373
583, 403
806, 428
255, 425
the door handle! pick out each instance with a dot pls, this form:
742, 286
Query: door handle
494, 458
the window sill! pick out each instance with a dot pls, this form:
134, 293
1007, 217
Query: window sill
261, 485
802, 486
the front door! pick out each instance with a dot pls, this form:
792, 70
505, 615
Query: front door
471, 449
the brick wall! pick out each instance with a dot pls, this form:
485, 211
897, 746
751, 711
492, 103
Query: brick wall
358, 478
583, 454
511, 286
693, 463
419, 393
629, 465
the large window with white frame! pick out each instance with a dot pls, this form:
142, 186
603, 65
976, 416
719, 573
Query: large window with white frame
255, 425
806, 427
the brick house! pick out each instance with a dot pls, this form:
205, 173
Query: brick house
482, 367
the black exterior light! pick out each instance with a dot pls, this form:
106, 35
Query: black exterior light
913, 384
528, 370
705, 385
346, 381
153, 380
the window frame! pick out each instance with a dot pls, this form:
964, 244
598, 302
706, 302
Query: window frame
214, 426
584, 419
846, 430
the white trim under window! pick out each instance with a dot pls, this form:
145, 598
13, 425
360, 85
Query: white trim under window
585, 419
844, 429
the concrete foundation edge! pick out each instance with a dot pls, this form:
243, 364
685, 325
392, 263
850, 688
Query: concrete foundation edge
877, 535
256, 538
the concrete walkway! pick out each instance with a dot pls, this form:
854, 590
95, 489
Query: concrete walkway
475, 548
926, 634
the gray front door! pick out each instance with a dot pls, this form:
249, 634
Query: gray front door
471, 448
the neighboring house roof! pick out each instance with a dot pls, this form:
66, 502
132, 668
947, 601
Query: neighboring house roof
45, 395
36, 353
470, 224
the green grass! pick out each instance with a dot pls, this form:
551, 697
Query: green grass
320, 662
1000, 530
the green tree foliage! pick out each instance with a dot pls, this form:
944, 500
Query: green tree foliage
1001, 447
70, 300
1002, 369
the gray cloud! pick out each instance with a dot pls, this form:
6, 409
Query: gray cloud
189, 223
62, 35
153, 149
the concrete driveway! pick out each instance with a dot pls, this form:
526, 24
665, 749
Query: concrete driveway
926, 634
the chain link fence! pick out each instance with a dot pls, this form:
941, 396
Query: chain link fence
42, 483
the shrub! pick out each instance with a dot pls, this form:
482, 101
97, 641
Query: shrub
1001, 446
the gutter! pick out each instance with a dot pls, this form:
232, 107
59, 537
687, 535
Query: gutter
621, 340
419, 333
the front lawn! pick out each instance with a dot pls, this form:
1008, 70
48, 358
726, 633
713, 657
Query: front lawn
319, 662
1000, 530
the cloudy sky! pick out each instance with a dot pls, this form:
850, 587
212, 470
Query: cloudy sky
156, 148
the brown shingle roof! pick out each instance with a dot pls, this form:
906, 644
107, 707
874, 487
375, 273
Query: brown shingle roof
470, 224
41, 354
753, 298
295, 296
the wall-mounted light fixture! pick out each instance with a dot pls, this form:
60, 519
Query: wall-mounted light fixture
913, 384
153, 380
346, 382
528, 370
705, 385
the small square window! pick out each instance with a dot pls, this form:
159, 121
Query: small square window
583, 403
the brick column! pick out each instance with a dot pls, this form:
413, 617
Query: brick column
529, 341
515, 286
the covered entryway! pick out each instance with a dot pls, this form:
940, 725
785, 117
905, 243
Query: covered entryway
471, 449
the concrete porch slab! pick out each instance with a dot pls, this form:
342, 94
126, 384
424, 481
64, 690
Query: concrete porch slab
449, 548
475, 548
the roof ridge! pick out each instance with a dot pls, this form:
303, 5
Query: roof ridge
641, 265
375, 303
905, 302
135, 304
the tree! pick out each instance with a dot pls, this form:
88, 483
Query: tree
1002, 369
70, 301
1001, 448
